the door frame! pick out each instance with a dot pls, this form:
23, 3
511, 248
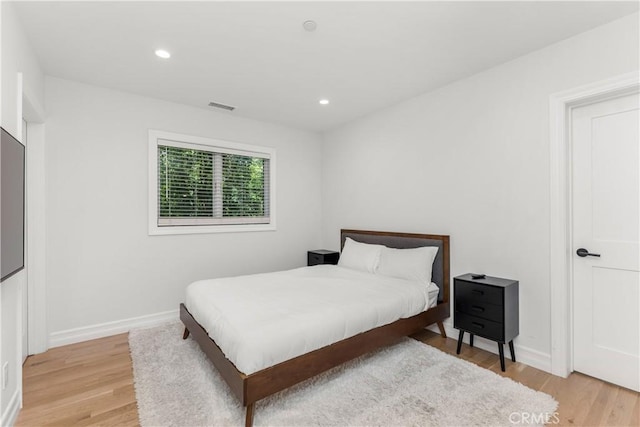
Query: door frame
33, 112
561, 216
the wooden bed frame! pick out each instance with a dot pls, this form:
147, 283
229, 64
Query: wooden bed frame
251, 388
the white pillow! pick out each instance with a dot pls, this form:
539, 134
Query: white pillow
360, 256
410, 264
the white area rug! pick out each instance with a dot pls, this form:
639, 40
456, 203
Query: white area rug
407, 384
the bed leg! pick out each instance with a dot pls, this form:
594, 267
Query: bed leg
248, 422
185, 334
443, 333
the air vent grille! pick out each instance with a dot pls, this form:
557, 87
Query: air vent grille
224, 107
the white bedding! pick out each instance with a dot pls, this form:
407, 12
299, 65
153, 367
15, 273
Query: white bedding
264, 319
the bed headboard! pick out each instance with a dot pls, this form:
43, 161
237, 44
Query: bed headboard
440, 273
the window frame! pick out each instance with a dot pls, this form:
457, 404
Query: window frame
158, 137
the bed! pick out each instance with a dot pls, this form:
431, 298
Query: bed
252, 379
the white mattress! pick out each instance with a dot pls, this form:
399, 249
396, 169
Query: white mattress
264, 319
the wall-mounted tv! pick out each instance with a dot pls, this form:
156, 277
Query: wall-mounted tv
12, 177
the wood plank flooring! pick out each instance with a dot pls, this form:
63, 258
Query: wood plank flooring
91, 384
84, 384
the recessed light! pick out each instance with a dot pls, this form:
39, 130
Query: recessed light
310, 25
161, 53
324, 101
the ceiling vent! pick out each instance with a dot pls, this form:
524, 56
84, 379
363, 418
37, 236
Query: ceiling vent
224, 107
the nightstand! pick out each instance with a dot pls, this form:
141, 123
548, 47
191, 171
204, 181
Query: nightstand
322, 256
488, 308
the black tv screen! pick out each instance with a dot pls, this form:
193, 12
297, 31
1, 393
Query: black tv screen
12, 178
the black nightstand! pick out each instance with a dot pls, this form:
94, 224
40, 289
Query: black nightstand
322, 256
488, 308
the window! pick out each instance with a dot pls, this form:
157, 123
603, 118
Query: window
201, 185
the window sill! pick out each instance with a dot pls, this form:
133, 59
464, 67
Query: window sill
154, 230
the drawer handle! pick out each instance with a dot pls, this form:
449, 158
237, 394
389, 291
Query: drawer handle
478, 292
477, 308
479, 325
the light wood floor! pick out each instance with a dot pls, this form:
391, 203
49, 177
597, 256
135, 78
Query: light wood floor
91, 383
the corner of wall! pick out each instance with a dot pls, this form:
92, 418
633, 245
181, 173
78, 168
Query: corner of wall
19, 70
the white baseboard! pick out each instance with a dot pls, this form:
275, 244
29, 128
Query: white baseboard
524, 355
10, 415
85, 333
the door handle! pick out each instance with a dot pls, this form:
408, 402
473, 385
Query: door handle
582, 252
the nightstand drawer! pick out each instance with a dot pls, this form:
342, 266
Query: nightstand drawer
314, 258
478, 292
480, 309
479, 326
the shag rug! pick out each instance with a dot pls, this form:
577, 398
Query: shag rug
408, 384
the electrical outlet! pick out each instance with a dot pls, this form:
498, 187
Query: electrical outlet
5, 375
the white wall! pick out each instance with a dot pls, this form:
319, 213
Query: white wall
472, 160
17, 57
102, 266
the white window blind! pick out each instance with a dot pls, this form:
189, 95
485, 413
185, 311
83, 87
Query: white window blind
210, 183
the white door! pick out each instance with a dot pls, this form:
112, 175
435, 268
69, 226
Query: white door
25, 291
606, 216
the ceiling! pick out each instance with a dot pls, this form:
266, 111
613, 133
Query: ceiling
257, 56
